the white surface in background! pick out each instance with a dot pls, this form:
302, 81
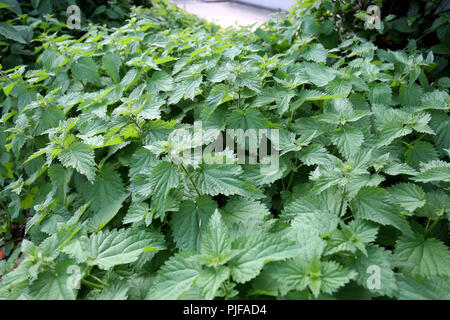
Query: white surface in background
271, 4
226, 14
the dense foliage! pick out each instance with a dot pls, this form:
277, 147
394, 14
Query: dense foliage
23, 23
91, 188
421, 24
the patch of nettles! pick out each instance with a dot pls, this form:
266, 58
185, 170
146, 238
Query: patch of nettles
94, 205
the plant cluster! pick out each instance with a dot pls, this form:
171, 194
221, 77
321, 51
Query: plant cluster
94, 206
23, 23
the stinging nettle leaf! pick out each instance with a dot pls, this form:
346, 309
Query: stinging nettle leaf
81, 157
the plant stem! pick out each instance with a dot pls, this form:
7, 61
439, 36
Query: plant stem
136, 123
342, 201
91, 284
190, 178
98, 279
239, 98
290, 120
428, 230
292, 173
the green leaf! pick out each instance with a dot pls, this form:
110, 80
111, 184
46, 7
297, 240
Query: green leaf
111, 62
54, 284
249, 80
211, 279
219, 94
436, 100
333, 276
316, 53
380, 94
370, 204
186, 89
140, 160
421, 151
81, 157
189, 223
376, 265
256, 249
10, 32
352, 237
106, 196
109, 248
215, 246
214, 179
315, 154
163, 178
85, 69
419, 288
408, 195
160, 81
410, 96
435, 170
242, 210
348, 140
118, 290
150, 107
318, 74
267, 172
319, 276
420, 256
136, 212
437, 204
246, 119
176, 276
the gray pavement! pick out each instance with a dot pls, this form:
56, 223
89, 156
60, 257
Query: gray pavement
226, 13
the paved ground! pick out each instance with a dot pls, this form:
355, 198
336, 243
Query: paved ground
226, 13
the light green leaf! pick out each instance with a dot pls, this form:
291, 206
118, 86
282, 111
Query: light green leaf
408, 195
370, 204
420, 288
435, 170
376, 260
352, 237
419, 256
315, 52
176, 276
85, 69
118, 290
109, 248
348, 140
436, 100
211, 279
54, 285
111, 62
163, 178
81, 157
106, 196
256, 250
215, 246
160, 81
242, 210
214, 179
136, 212
189, 223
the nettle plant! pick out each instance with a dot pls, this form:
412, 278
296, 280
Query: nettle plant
94, 205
